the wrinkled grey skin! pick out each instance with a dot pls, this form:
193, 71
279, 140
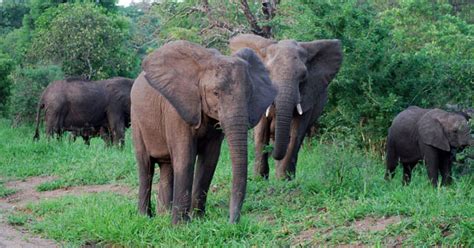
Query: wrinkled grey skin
184, 93
302, 72
86, 108
425, 134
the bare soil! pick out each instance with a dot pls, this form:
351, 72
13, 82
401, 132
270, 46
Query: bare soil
15, 236
368, 224
371, 224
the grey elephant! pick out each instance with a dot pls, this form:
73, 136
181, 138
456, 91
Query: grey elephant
425, 134
85, 108
302, 72
182, 102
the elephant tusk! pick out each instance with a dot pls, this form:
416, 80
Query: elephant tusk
267, 113
299, 109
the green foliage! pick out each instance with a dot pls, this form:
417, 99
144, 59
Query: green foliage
84, 40
144, 28
6, 66
413, 53
28, 84
16, 44
19, 219
11, 14
189, 20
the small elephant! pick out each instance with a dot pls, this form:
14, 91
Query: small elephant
302, 72
183, 96
85, 107
425, 134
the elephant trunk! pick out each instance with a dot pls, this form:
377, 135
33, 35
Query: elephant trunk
285, 105
235, 129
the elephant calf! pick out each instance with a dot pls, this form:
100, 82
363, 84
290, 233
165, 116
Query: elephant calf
425, 134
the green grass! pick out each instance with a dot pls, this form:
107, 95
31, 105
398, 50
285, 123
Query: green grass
335, 186
4, 191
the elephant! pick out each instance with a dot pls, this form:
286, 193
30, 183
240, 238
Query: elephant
425, 134
183, 102
302, 72
85, 108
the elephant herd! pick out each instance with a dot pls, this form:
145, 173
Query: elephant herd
187, 98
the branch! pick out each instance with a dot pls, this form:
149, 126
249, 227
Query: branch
268, 10
256, 29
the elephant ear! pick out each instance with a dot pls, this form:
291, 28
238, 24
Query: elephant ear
324, 58
174, 71
431, 130
263, 92
254, 42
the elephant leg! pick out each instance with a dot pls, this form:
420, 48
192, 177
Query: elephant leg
432, 164
87, 139
60, 124
261, 137
204, 172
49, 124
146, 169
286, 168
183, 157
72, 137
391, 161
117, 128
407, 168
445, 168
165, 188
105, 135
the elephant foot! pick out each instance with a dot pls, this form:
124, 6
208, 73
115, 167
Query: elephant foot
179, 218
198, 213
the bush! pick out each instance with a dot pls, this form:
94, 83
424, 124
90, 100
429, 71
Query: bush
28, 84
6, 65
93, 44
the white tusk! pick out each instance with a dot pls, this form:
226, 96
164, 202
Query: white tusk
267, 113
299, 109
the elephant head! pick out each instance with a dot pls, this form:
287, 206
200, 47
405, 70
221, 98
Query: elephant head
234, 90
301, 71
444, 130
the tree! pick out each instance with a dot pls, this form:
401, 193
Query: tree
84, 40
268, 10
6, 66
11, 15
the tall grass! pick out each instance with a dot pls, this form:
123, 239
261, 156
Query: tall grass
335, 186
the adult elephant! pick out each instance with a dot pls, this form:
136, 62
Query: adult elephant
425, 134
183, 96
302, 72
118, 89
86, 108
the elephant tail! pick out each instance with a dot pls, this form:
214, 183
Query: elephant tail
391, 160
38, 116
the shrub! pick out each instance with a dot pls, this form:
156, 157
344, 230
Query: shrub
6, 65
28, 84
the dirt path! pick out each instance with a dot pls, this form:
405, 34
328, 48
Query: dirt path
368, 224
13, 236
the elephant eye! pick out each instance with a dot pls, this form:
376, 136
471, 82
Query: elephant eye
215, 92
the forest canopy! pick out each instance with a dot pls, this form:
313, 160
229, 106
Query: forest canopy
396, 53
